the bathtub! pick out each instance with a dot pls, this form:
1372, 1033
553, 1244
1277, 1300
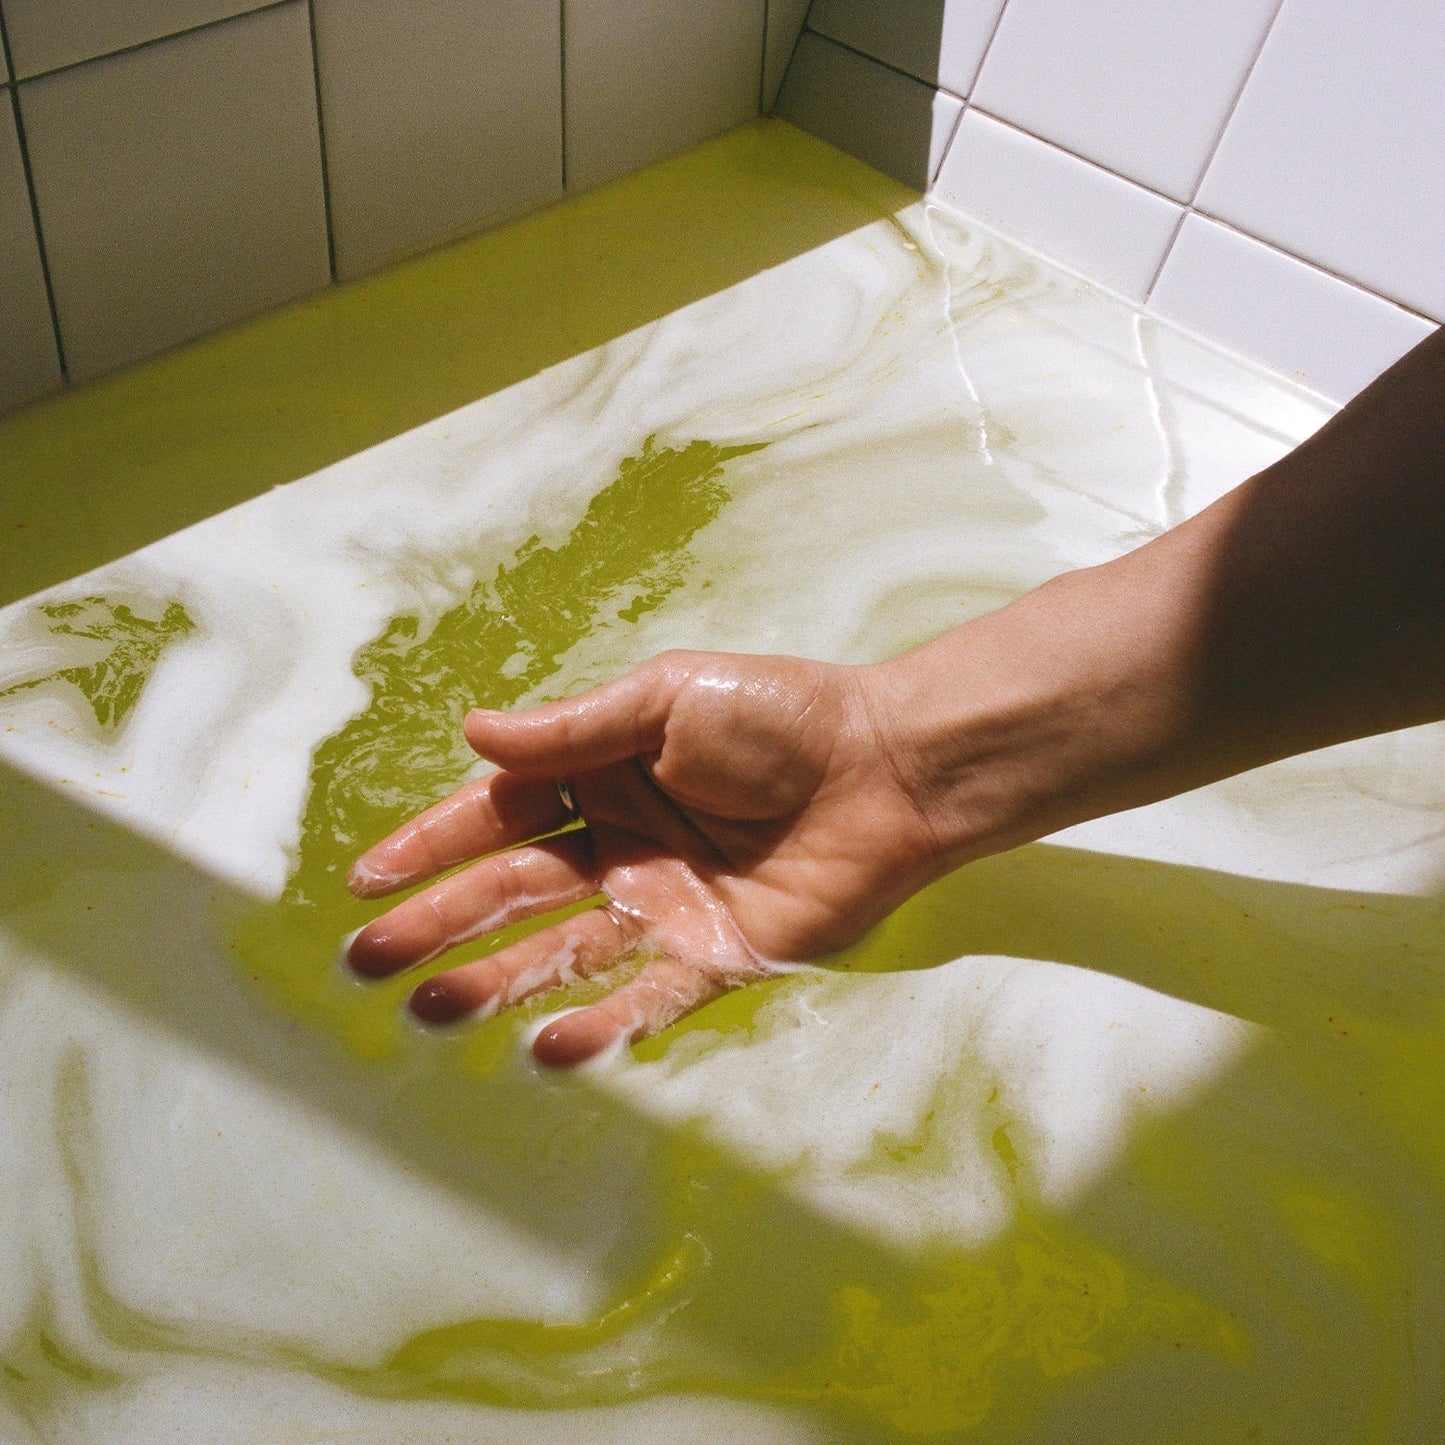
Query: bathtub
1129, 1135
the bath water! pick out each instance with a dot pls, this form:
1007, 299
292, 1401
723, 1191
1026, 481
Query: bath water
1275, 1257
905, 1195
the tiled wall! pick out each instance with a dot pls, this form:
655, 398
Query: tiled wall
1270, 173
170, 166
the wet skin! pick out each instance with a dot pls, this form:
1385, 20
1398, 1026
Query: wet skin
739, 811
720, 799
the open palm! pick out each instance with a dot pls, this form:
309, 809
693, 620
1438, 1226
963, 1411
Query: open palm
736, 812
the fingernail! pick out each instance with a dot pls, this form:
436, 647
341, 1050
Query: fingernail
366, 880
366, 955
575, 1037
433, 1003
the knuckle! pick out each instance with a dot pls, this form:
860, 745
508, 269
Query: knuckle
676, 666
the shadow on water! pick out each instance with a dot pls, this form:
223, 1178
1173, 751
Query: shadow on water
1187, 932
873, 90
797, 1308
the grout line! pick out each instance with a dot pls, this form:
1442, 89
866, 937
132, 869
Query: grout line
952, 132
763, 67
321, 138
972, 83
1191, 207
562, 81
1164, 256
154, 40
1234, 104
1074, 155
982, 59
35, 215
898, 70
882, 64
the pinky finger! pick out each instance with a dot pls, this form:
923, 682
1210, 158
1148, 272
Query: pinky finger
662, 993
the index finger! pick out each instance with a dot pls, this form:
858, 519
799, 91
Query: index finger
498, 811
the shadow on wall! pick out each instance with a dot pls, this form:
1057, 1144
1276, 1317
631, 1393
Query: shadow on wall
95, 473
883, 106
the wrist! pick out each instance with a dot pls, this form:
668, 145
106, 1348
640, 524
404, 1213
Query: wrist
1067, 704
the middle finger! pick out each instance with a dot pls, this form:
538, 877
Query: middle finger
505, 888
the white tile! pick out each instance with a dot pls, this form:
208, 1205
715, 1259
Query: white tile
1281, 312
896, 123
940, 41
1337, 150
785, 23
439, 117
1217, 378
1137, 86
1085, 218
29, 365
179, 185
906, 34
650, 78
44, 34
968, 30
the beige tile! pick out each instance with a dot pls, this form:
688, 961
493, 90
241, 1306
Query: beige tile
650, 78
45, 34
440, 115
179, 186
29, 366
896, 123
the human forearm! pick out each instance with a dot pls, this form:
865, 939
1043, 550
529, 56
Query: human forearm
1326, 612
736, 811
1304, 608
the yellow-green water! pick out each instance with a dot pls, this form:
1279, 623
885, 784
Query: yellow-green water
1264, 1264
132, 646
406, 749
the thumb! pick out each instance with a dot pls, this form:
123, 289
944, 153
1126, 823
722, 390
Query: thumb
604, 725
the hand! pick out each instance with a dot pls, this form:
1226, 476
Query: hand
742, 811
737, 812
